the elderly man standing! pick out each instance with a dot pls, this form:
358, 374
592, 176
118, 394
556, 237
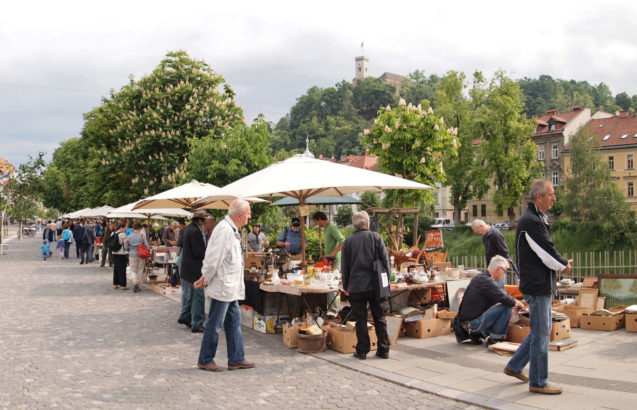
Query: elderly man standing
223, 281
192, 253
169, 237
494, 243
538, 262
363, 286
485, 310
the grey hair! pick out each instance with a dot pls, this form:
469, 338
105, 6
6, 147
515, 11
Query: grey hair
175, 223
498, 262
477, 223
360, 220
539, 187
237, 207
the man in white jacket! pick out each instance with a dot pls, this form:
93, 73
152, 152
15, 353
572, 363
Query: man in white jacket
222, 278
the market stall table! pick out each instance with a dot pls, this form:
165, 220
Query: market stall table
302, 291
399, 289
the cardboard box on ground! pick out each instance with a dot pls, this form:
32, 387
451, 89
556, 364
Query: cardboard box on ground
573, 312
519, 330
615, 320
343, 339
631, 322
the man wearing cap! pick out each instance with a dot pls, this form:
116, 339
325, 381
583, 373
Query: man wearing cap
256, 240
290, 238
193, 252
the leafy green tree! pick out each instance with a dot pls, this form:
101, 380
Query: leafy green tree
410, 143
344, 215
369, 199
506, 148
419, 88
459, 111
222, 160
141, 134
67, 177
623, 100
370, 94
24, 190
593, 199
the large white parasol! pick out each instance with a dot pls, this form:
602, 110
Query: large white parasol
185, 196
127, 211
301, 177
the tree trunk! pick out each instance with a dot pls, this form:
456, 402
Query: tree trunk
511, 215
457, 215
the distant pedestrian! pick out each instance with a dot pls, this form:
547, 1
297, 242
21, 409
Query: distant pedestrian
136, 263
45, 249
67, 235
60, 247
116, 242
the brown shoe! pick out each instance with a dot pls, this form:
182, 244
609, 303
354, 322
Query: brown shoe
522, 376
125, 288
115, 286
211, 367
241, 365
548, 389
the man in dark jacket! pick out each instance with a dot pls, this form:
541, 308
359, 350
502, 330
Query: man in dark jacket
493, 240
193, 252
361, 283
78, 234
538, 262
486, 308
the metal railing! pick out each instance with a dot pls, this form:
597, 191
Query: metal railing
585, 264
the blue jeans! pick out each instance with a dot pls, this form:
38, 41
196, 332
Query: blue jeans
494, 322
535, 348
224, 315
192, 304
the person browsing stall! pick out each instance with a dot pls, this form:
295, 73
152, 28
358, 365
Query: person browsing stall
363, 286
192, 253
290, 238
485, 310
256, 239
538, 262
333, 238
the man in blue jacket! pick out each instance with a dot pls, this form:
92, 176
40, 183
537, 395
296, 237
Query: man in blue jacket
538, 262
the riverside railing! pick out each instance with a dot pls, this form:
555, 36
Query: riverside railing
585, 264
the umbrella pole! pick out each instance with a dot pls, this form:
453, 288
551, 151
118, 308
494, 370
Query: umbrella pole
301, 203
320, 245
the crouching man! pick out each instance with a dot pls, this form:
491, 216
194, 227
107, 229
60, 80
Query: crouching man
485, 310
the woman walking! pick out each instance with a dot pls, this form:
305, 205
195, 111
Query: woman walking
67, 235
136, 264
120, 259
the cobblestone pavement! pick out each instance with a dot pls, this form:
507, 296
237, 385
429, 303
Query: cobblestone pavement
70, 340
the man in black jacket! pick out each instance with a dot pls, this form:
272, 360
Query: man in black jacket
193, 252
362, 284
538, 262
486, 308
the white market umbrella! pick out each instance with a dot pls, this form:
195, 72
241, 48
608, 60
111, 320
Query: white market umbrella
185, 196
128, 212
99, 211
76, 214
301, 177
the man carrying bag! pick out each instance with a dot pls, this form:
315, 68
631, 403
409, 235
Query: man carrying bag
365, 269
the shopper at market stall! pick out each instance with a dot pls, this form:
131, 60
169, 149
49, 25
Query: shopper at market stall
223, 281
115, 242
538, 262
136, 263
67, 235
78, 233
192, 253
363, 286
333, 239
169, 237
256, 239
106, 252
290, 238
493, 240
485, 310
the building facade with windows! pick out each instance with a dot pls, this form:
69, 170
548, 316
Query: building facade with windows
552, 135
618, 148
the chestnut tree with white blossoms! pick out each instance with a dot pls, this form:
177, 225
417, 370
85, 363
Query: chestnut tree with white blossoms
410, 142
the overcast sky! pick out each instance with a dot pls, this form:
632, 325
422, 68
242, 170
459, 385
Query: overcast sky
59, 58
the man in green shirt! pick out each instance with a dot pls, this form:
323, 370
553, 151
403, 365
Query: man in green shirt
333, 238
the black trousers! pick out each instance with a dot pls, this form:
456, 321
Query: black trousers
359, 302
119, 269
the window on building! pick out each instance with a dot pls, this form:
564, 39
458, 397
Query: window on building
555, 178
611, 162
630, 189
483, 210
629, 161
552, 127
540, 153
475, 211
554, 151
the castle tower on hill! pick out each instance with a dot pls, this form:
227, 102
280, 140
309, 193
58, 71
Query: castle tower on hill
361, 66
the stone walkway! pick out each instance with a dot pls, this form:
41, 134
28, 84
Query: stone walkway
70, 340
